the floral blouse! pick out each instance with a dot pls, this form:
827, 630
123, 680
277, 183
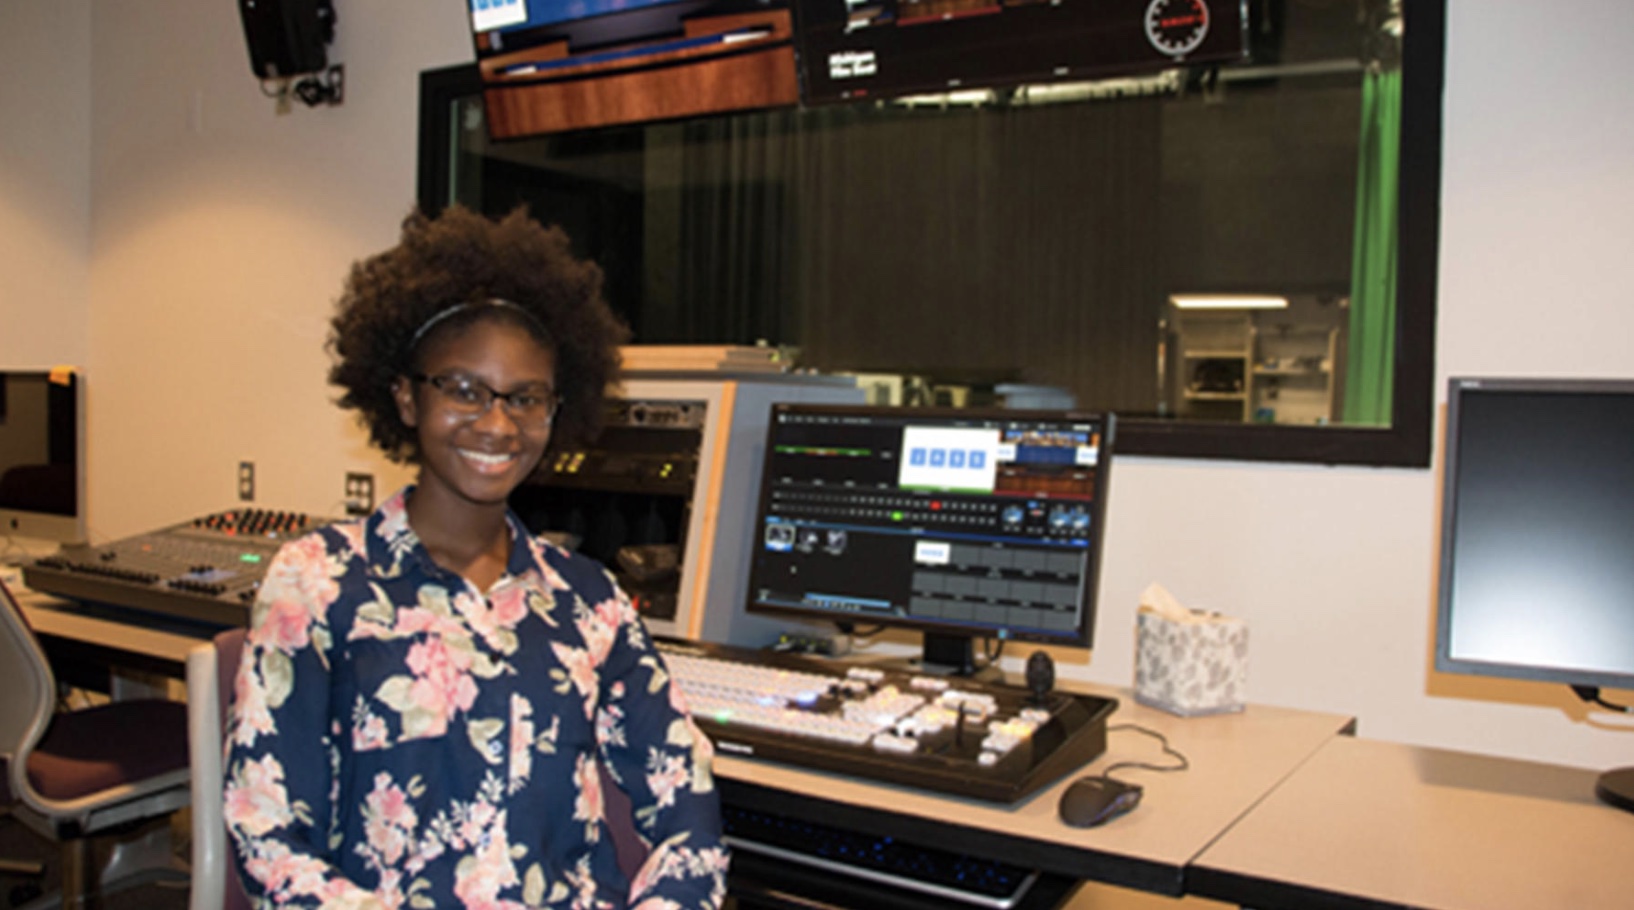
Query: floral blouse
400, 739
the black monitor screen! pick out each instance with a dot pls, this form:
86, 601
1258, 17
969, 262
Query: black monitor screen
519, 15
1537, 550
851, 51
41, 456
961, 523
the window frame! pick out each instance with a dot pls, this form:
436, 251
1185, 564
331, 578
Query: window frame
1407, 442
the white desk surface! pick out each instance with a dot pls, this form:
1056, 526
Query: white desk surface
1235, 760
54, 616
1417, 827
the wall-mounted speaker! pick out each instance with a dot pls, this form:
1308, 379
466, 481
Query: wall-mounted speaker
287, 37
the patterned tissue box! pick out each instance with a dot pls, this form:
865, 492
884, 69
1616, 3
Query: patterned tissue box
1190, 663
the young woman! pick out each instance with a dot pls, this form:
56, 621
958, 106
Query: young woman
431, 698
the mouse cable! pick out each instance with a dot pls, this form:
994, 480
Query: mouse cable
850, 629
1180, 764
1591, 694
992, 653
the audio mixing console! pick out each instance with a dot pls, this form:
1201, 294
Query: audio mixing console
205, 570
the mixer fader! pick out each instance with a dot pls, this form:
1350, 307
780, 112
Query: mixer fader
204, 570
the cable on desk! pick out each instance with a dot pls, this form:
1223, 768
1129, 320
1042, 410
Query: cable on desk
1181, 763
851, 629
992, 653
1591, 694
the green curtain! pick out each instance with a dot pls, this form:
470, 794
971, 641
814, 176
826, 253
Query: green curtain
1372, 352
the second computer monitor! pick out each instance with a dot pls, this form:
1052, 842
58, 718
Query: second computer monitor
962, 523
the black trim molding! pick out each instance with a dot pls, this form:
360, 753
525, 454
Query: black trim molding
1407, 442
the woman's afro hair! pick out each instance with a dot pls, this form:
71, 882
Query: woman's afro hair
461, 257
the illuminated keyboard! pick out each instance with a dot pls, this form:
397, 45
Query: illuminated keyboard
986, 742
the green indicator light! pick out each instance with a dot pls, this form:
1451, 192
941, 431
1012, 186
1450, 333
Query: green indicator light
249, 557
896, 516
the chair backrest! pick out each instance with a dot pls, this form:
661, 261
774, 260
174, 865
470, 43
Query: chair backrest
30, 693
211, 668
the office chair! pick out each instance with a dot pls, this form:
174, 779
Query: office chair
211, 668
80, 774
28, 869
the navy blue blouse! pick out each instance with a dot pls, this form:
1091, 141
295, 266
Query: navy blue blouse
400, 738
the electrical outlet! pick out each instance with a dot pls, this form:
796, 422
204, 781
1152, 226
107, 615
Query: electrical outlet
359, 493
246, 481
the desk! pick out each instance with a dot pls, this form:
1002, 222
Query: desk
76, 636
1368, 824
1236, 759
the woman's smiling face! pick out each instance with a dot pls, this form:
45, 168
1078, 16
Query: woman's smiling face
479, 452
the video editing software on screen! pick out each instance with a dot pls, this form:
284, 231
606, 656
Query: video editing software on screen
983, 523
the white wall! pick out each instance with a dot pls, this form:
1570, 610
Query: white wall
45, 190
220, 233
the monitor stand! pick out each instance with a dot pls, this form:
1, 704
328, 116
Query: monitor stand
1616, 787
955, 655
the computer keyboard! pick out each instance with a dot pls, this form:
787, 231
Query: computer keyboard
987, 742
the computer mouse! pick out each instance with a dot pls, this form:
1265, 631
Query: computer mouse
1096, 800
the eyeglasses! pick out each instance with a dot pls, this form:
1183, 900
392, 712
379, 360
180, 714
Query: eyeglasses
530, 406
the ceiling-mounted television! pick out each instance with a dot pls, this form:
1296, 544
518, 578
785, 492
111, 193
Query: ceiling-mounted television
551, 66
852, 50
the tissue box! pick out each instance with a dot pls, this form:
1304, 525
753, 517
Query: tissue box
1197, 664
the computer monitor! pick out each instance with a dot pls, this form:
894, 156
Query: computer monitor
960, 523
1537, 540
42, 463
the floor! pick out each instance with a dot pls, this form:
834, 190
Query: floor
19, 843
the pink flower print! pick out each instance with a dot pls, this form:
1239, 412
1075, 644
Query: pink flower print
284, 625
369, 732
388, 893
286, 874
615, 611
522, 733
545, 576
388, 820
664, 862
584, 886
670, 775
610, 726
302, 574
597, 635
250, 715
413, 621
255, 801
443, 683
474, 608
581, 672
480, 875
509, 605
394, 517
587, 807
678, 701
477, 820
305, 875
